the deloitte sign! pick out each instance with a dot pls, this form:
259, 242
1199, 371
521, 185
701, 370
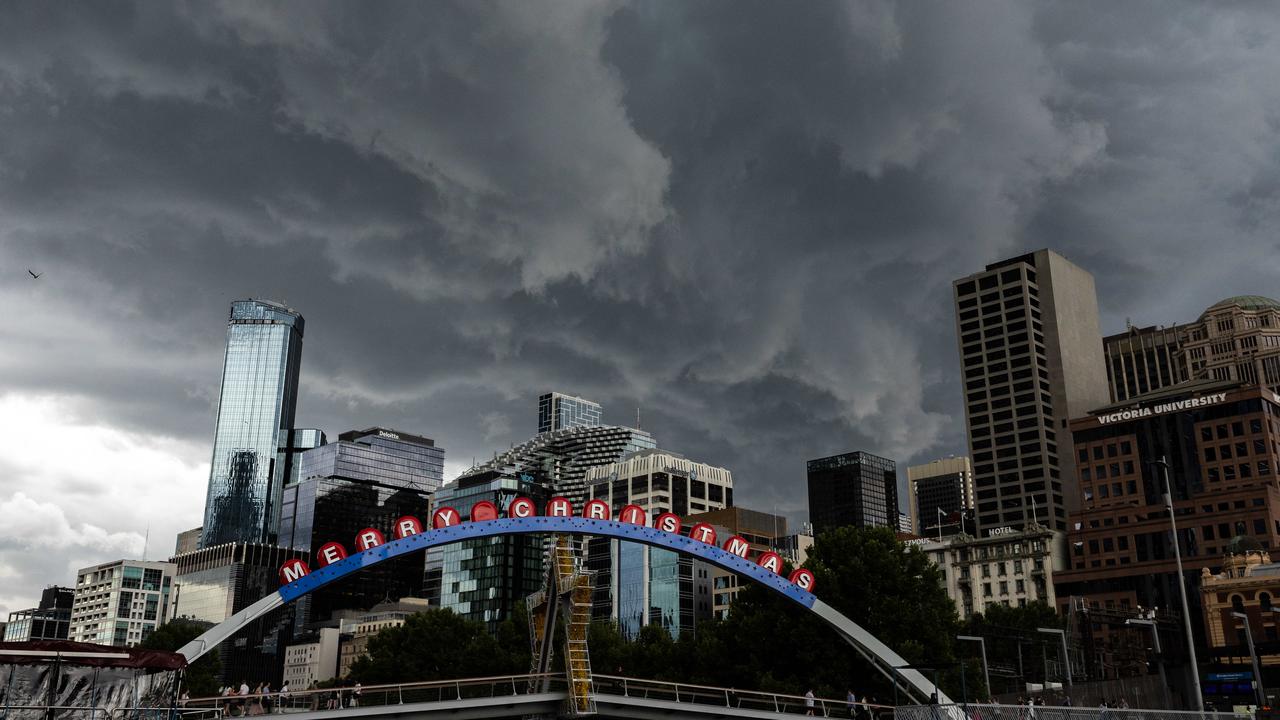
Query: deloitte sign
522, 508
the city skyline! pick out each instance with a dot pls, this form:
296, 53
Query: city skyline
763, 271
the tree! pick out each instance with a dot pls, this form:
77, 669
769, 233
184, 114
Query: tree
435, 645
203, 677
1013, 639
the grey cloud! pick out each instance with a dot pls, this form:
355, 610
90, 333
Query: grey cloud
742, 218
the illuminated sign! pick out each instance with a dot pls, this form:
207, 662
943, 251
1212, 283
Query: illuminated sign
522, 508
1162, 408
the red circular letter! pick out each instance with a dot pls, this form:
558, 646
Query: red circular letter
484, 511
369, 537
522, 507
803, 578
770, 561
738, 546
596, 510
444, 517
633, 514
293, 570
703, 532
559, 507
406, 526
668, 522
330, 553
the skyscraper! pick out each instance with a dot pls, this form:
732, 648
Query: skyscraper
557, 411
252, 444
856, 488
1032, 358
369, 478
940, 492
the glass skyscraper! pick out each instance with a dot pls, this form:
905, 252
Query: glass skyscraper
252, 443
369, 478
557, 412
856, 488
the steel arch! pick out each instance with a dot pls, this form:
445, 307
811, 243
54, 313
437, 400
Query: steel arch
888, 662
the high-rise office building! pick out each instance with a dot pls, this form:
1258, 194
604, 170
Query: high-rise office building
252, 444
212, 584
50, 620
187, 541
1031, 357
483, 579
120, 603
637, 585
940, 492
369, 478
856, 488
557, 411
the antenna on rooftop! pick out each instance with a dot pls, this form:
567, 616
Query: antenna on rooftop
637, 417
146, 540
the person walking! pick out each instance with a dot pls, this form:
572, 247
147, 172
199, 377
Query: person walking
808, 702
355, 695
851, 702
284, 697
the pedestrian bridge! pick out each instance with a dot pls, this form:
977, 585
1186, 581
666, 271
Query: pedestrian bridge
519, 696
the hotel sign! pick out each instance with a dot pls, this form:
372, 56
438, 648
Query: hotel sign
1162, 408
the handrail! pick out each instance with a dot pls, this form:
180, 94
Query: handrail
421, 684
721, 695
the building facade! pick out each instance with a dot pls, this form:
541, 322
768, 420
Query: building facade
1031, 357
1237, 339
764, 532
559, 459
120, 603
1010, 567
312, 661
356, 634
1145, 360
857, 488
940, 492
369, 478
1248, 583
187, 541
256, 404
637, 585
49, 620
483, 579
212, 584
1221, 442
557, 411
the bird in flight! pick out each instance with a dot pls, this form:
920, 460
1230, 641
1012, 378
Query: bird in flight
34, 275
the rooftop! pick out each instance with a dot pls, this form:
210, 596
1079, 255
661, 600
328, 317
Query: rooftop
1247, 302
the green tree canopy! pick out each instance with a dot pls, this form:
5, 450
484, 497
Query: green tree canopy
201, 678
436, 645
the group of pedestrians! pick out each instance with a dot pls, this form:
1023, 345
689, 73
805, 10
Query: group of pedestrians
859, 709
261, 700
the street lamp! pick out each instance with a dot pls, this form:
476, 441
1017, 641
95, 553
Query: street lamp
1066, 659
1182, 587
986, 675
1155, 638
1258, 692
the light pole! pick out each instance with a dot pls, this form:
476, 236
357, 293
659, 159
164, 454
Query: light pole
1155, 638
1182, 588
986, 675
1066, 659
1259, 693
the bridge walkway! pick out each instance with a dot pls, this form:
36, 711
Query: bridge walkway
520, 696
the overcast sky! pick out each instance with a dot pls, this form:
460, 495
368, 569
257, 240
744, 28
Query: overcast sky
741, 218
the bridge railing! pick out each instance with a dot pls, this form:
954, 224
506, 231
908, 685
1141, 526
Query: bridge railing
80, 712
1043, 712
296, 701
738, 699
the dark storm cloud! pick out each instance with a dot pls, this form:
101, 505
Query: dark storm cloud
741, 218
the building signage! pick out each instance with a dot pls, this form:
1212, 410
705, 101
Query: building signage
385, 434
523, 507
1006, 530
1162, 408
